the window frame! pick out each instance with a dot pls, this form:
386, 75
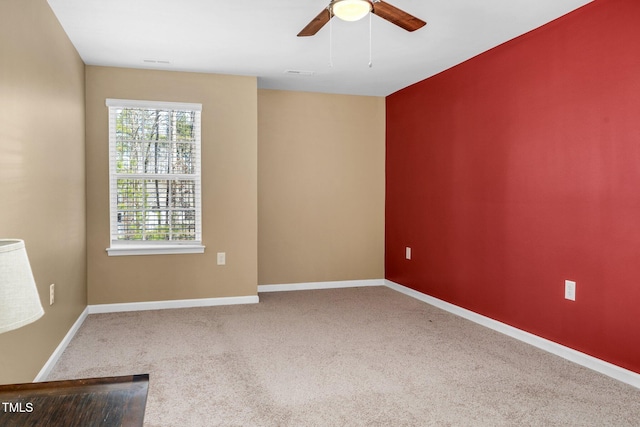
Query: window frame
120, 247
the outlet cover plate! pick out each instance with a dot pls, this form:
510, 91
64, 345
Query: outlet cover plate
222, 258
570, 290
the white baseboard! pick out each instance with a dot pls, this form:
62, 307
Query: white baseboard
598, 365
162, 305
46, 369
321, 285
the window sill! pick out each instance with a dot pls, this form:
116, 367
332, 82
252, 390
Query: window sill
128, 250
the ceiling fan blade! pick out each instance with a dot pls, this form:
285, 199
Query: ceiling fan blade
316, 23
396, 16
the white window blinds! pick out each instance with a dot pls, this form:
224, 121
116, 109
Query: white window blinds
154, 173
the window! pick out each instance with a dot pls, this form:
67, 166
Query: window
154, 177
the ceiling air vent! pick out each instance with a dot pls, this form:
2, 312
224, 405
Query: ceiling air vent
299, 72
156, 61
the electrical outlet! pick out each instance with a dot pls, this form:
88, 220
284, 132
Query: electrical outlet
570, 290
52, 293
407, 252
222, 258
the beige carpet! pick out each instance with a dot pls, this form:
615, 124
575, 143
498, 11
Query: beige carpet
344, 357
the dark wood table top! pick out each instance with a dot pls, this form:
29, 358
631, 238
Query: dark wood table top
92, 402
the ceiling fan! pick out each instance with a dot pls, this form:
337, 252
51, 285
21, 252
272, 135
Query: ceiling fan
353, 10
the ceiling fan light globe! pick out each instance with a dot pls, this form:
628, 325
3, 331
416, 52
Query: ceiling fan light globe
351, 10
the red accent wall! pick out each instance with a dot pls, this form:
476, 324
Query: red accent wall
520, 168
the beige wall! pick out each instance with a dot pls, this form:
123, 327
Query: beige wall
320, 186
229, 189
42, 184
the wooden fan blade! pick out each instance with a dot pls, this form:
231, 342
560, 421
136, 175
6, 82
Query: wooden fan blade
315, 24
396, 16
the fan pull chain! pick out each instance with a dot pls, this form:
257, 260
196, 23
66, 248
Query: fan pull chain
330, 41
370, 54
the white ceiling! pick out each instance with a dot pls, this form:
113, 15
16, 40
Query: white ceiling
258, 38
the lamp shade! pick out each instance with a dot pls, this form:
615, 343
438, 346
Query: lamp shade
351, 10
19, 299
